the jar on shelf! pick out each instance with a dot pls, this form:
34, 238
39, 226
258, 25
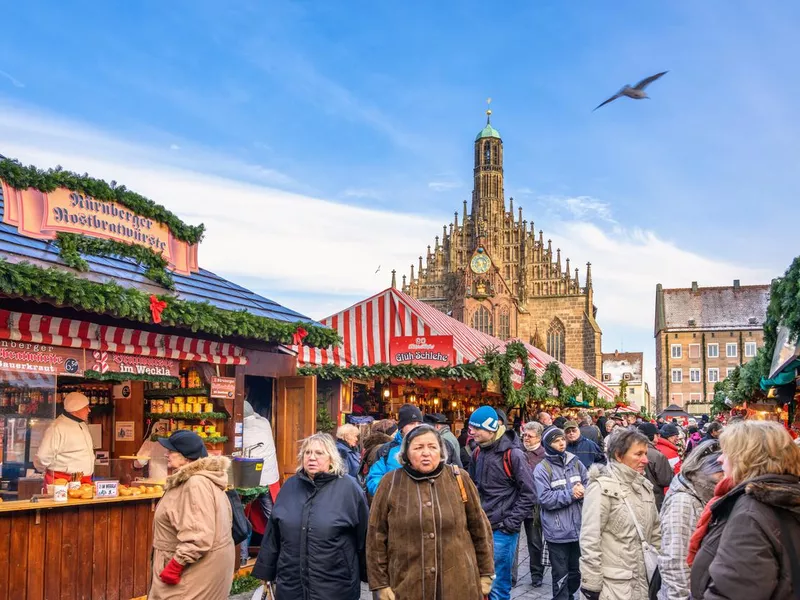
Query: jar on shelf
209, 407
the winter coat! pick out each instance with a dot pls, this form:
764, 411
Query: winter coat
679, 514
601, 425
192, 524
693, 441
554, 479
534, 457
658, 472
453, 448
586, 451
670, 450
384, 464
592, 432
744, 553
314, 545
350, 456
424, 542
506, 500
371, 444
612, 561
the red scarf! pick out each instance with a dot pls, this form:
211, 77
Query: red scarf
722, 488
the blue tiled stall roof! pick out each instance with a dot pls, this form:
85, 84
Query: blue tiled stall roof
204, 286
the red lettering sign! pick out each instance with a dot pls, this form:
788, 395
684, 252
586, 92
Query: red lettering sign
105, 362
223, 387
29, 357
432, 350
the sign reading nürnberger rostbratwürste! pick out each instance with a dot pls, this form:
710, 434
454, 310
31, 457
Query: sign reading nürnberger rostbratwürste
42, 215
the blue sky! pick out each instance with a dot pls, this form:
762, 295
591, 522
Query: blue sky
371, 108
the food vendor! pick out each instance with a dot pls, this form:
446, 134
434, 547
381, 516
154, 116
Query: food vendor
67, 449
153, 450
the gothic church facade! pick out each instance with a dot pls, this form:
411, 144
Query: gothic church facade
491, 271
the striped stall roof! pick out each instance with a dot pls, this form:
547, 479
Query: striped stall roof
366, 328
72, 333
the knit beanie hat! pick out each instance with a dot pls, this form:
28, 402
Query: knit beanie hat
485, 417
551, 435
408, 414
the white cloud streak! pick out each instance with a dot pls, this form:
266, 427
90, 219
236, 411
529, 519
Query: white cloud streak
14, 81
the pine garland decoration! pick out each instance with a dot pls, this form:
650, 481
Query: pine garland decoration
72, 245
62, 288
247, 495
385, 372
20, 177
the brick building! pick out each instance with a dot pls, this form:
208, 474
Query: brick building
702, 334
491, 271
627, 367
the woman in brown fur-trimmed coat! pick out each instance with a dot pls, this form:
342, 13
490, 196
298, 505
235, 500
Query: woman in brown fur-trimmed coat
428, 536
194, 555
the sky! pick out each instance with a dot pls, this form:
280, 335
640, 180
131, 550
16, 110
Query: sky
319, 141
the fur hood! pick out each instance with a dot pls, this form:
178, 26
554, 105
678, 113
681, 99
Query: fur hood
780, 492
375, 439
214, 468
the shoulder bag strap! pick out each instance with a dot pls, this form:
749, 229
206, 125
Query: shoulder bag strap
460, 481
639, 531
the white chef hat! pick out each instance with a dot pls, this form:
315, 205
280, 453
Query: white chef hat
75, 401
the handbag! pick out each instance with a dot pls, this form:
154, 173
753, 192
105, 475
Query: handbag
240, 526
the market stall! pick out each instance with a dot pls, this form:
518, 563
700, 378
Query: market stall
397, 349
102, 295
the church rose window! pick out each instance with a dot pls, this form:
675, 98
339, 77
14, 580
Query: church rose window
556, 340
482, 320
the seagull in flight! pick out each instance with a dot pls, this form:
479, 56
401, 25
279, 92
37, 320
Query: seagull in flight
378, 269
636, 92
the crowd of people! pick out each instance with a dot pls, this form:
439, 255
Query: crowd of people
623, 508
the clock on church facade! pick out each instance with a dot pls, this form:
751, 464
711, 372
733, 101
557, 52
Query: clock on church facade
491, 271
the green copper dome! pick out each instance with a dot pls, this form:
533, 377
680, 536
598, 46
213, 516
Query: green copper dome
488, 132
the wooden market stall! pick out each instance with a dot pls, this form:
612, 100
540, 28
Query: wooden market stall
397, 349
104, 295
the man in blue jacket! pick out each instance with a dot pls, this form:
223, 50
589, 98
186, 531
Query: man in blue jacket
560, 481
408, 417
586, 450
503, 478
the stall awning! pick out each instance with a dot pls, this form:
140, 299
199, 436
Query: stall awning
72, 333
367, 327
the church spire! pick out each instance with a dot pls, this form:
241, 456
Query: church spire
394, 279
588, 274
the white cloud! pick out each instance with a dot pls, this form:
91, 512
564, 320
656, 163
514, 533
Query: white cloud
362, 193
14, 81
580, 207
174, 147
443, 186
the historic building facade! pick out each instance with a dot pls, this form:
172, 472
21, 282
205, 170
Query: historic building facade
491, 271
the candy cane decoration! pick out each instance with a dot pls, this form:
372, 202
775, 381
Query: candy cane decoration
101, 361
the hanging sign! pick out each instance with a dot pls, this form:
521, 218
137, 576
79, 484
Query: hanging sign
223, 388
105, 362
517, 374
432, 350
42, 215
30, 357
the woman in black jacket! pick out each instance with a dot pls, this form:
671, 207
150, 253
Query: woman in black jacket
313, 548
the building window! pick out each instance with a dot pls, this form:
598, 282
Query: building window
713, 375
557, 340
731, 350
627, 376
695, 397
677, 351
729, 370
694, 350
482, 320
676, 398
713, 350
631, 391
750, 349
504, 325
677, 376
694, 375
606, 376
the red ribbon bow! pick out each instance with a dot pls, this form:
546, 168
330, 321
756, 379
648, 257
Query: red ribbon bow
156, 308
297, 336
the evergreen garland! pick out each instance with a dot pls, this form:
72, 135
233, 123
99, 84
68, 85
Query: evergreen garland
20, 177
249, 494
244, 583
385, 371
62, 288
72, 245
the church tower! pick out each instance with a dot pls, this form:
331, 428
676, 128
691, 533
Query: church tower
492, 271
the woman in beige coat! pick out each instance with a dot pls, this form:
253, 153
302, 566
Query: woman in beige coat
193, 548
612, 560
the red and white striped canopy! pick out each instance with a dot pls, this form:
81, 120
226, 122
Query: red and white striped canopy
367, 327
72, 333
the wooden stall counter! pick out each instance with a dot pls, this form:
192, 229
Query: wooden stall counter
81, 549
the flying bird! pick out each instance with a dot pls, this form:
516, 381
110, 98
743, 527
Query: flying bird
636, 92
378, 269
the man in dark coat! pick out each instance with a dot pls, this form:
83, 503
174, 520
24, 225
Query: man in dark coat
439, 421
601, 422
505, 483
589, 430
658, 471
584, 449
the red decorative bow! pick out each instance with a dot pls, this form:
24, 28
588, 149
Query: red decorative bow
298, 336
156, 308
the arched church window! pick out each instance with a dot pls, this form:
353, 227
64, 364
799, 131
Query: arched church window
487, 153
504, 325
482, 320
556, 340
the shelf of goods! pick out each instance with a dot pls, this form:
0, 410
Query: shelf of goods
189, 416
174, 392
217, 439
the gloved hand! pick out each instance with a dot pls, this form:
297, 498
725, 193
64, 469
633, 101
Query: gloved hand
171, 575
590, 595
486, 584
385, 593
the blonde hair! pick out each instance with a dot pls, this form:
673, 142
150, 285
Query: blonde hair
755, 448
345, 429
329, 445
